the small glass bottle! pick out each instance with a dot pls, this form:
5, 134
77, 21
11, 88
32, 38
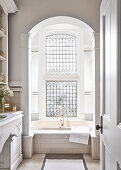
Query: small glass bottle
14, 108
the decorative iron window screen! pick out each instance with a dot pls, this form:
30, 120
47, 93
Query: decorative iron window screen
61, 54
61, 98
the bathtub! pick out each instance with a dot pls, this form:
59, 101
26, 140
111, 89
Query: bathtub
56, 125
57, 141
52, 139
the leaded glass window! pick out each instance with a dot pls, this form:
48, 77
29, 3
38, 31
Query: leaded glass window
61, 98
61, 54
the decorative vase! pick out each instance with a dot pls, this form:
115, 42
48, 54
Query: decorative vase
2, 105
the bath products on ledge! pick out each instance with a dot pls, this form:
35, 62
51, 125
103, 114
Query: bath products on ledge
14, 108
7, 106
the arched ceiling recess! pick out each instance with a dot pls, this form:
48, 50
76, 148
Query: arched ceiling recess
61, 20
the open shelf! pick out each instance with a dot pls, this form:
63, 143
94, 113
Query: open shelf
3, 46
2, 58
2, 83
2, 34
6, 7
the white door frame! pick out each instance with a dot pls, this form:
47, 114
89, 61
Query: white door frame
110, 138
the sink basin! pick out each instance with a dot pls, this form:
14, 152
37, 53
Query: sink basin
2, 117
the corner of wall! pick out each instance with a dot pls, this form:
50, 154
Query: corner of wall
27, 146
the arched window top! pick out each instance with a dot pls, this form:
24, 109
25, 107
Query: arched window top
61, 54
60, 20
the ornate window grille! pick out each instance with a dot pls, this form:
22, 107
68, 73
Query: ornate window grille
61, 54
61, 98
61, 59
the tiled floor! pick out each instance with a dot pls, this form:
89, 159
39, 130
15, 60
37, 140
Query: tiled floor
91, 164
32, 164
37, 161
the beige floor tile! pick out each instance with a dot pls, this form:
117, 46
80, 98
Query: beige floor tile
37, 161
32, 164
91, 164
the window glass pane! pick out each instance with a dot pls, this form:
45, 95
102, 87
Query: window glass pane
61, 98
61, 54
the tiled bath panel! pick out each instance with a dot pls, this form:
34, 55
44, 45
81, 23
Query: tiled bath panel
58, 143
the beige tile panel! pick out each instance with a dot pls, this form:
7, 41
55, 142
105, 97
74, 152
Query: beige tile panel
38, 149
57, 144
51, 136
51, 141
61, 145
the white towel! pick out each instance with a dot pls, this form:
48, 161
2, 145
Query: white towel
79, 134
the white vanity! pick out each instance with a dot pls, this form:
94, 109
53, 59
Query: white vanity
10, 140
10, 123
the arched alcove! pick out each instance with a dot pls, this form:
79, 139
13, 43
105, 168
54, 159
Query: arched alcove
26, 47
60, 20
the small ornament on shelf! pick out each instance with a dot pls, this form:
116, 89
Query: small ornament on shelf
7, 105
4, 92
14, 108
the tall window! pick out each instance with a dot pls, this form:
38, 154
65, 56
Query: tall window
61, 59
61, 97
61, 54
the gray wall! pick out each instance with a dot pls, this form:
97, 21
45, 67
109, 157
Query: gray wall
32, 12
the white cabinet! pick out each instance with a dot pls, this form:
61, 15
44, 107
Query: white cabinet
10, 141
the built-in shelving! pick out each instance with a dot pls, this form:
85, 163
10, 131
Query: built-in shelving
3, 44
6, 7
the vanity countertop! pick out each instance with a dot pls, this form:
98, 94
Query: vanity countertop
9, 117
10, 125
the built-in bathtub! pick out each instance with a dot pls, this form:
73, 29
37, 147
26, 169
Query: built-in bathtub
50, 137
47, 124
57, 141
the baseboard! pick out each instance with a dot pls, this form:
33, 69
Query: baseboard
17, 162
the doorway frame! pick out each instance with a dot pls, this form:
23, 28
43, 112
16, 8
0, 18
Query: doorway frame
26, 72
